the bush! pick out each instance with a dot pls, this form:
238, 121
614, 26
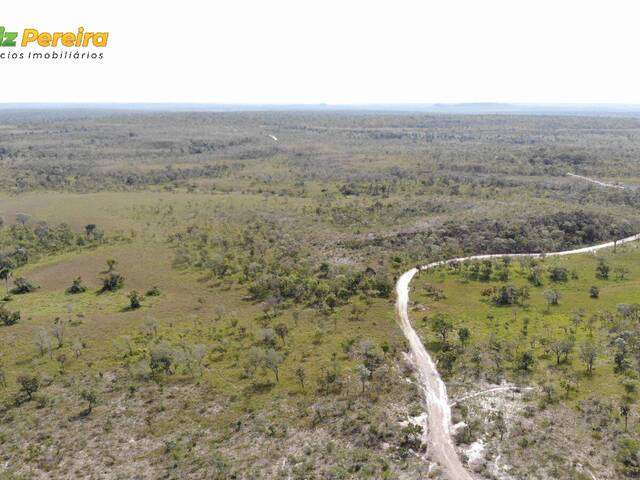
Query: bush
112, 282
559, 274
77, 286
153, 292
135, 300
23, 286
594, 292
8, 318
29, 384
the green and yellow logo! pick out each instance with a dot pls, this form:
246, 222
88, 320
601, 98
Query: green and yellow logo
32, 36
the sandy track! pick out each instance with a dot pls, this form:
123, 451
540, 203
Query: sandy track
438, 421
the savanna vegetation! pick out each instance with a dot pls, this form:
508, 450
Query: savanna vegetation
211, 295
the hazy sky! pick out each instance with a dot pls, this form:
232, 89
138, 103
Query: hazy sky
301, 51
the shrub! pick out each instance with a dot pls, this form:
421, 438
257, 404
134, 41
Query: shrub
29, 384
8, 318
135, 300
594, 292
76, 286
112, 282
153, 292
559, 274
23, 286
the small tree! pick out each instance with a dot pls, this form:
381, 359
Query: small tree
22, 218
42, 341
199, 353
91, 398
552, 297
272, 361
61, 358
441, 326
625, 410
594, 292
29, 384
135, 300
499, 423
602, 269
526, 361
282, 331
300, 375
162, 358
77, 286
621, 272
364, 374
558, 274
588, 354
7, 265
464, 335
58, 332
90, 229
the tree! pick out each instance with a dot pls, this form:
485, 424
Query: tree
464, 335
507, 295
588, 354
525, 361
535, 276
602, 269
441, 326
29, 384
364, 374
300, 375
552, 297
58, 331
7, 266
199, 353
90, 229
499, 423
135, 300
22, 218
568, 385
556, 348
621, 272
272, 361
282, 331
162, 358
558, 274
91, 398
42, 341
594, 292
625, 410
77, 286
61, 358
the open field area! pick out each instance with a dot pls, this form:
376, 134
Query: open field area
198, 295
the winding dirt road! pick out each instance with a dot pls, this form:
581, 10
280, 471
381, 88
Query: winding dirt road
438, 421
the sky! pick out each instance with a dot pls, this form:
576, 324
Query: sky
335, 52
